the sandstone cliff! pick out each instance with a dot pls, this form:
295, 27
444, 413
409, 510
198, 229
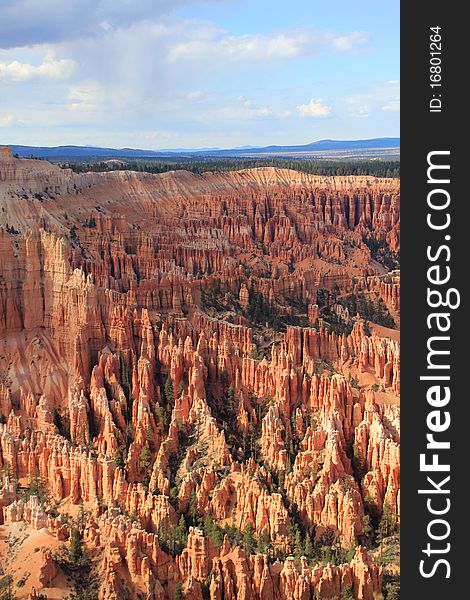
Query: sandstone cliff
170, 387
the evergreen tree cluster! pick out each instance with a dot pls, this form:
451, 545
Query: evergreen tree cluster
375, 311
199, 165
6, 588
77, 565
391, 587
36, 487
370, 310
261, 312
382, 253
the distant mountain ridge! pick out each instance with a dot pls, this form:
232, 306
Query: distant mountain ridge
354, 146
82, 152
339, 145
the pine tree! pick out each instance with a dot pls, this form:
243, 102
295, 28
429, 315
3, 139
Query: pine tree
347, 593
181, 532
249, 542
145, 464
168, 389
76, 551
230, 398
192, 507
297, 542
264, 543
6, 591
38, 488
76, 564
392, 590
145, 458
234, 535
367, 527
386, 526
81, 520
309, 550
119, 459
217, 536
178, 595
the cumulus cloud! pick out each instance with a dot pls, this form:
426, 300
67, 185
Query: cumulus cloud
349, 41
50, 68
135, 68
392, 105
173, 55
314, 108
128, 58
359, 105
251, 107
385, 97
87, 96
216, 45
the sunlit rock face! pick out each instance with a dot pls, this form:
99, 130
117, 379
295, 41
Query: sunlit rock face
171, 385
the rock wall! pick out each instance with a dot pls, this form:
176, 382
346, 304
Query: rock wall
135, 384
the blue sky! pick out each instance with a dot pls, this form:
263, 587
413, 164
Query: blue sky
188, 73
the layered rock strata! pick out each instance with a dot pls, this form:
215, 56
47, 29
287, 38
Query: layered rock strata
140, 384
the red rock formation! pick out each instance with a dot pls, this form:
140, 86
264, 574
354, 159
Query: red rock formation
387, 286
136, 380
48, 569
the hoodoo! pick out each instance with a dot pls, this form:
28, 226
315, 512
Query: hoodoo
200, 378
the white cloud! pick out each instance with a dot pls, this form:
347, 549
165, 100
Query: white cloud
6, 120
160, 65
314, 108
12, 121
253, 109
132, 68
359, 105
237, 49
50, 68
86, 96
164, 70
385, 97
245, 109
350, 41
393, 92
214, 45
196, 96
392, 105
